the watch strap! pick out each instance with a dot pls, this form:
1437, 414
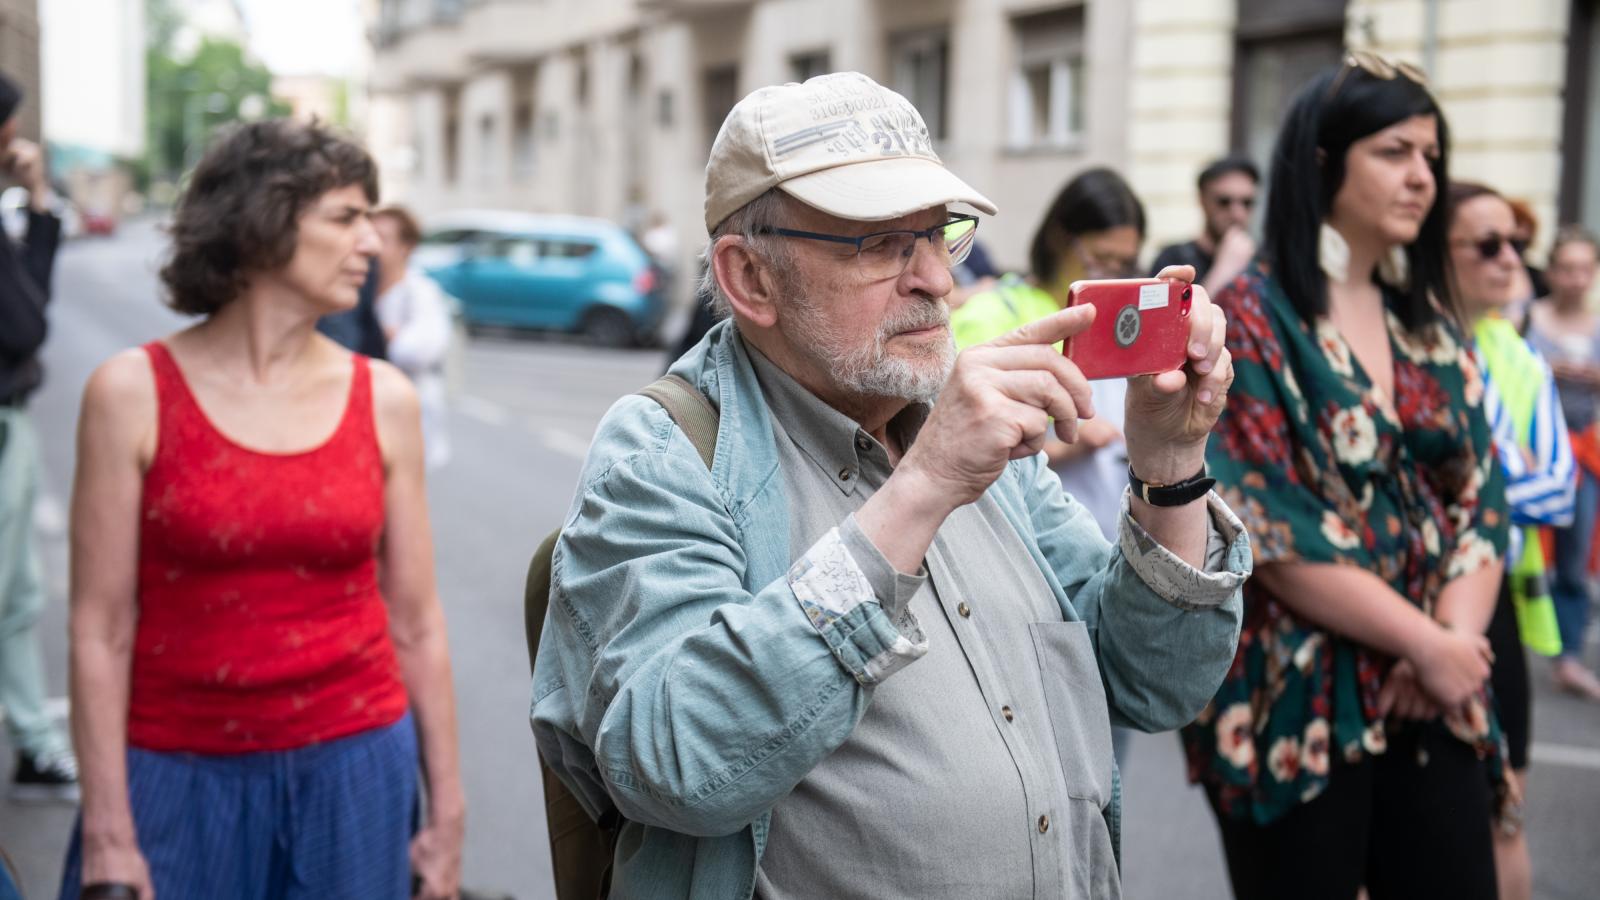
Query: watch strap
1179, 494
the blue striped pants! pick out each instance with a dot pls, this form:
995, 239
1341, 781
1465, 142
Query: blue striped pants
330, 821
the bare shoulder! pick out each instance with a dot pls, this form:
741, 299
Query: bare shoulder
122, 382
119, 402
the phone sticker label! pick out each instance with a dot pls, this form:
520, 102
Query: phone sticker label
1153, 296
1127, 327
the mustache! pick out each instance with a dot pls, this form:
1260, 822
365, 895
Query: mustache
930, 314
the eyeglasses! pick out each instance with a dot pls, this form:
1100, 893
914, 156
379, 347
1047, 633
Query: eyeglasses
885, 254
1105, 265
1489, 247
1378, 67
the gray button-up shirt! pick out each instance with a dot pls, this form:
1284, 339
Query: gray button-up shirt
984, 770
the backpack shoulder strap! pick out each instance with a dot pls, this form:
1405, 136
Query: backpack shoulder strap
690, 410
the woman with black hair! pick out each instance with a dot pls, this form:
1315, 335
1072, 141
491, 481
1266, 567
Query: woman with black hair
1352, 743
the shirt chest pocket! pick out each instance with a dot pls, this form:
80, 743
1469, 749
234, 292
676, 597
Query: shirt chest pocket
1076, 700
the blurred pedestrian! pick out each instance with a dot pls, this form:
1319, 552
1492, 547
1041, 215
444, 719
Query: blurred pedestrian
1534, 283
418, 325
1536, 455
258, 653
358, 329
1095, 210
1224, 247
850, 658
1564, 328
45, 769
1352, 742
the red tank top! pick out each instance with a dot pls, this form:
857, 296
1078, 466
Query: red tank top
260, 622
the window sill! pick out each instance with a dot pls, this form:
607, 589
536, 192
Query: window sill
1070, 148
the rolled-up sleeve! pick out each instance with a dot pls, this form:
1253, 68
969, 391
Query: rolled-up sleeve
1174, 580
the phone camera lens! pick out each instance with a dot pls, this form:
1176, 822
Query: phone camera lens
1188, 292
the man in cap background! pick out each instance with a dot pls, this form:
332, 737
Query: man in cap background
45, 766
727, 659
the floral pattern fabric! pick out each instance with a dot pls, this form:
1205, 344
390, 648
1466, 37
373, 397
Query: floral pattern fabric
1323, 467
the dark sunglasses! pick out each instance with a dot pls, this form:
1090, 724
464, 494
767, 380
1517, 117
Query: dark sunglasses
1243, 202
1488, 248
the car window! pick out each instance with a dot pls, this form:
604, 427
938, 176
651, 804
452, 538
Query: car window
451, 236
517, 251
567, 248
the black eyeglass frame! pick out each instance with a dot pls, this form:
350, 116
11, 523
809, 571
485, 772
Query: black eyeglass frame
859, 242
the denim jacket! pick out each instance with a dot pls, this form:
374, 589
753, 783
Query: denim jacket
680, 680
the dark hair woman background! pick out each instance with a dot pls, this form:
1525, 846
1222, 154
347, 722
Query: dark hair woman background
1351, 743
257, 645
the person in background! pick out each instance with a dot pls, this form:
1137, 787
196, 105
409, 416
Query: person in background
358, 329
417, 323
259, 659
1536, 454
1227, 200
1352, 742
1093, 229
1564, 329
1531, 283
45, 769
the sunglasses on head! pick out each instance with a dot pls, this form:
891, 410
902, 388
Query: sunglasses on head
1377, 67
1488, 248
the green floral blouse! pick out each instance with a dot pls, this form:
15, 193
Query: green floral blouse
1322, 468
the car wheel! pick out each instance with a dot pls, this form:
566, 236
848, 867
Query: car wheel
607, 327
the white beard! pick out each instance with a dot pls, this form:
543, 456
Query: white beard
867, 369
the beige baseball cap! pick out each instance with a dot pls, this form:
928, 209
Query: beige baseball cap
841, 143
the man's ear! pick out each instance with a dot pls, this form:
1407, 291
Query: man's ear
746, 280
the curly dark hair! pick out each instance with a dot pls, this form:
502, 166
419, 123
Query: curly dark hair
240, 211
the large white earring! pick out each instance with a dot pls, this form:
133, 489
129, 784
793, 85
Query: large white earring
1395, 269
1333, 253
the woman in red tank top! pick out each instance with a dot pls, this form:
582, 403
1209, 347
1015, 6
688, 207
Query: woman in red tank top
258, 652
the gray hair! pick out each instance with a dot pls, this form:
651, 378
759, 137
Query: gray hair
746, 223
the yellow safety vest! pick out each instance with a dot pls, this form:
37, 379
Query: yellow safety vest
1518, 377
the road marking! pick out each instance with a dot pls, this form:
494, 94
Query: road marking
485, 411
562, 442
1565, 755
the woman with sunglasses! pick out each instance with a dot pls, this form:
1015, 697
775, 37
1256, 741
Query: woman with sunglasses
1534, 451
1568, 334
1351, 743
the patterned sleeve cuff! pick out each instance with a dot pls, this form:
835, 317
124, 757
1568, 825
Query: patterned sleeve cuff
1177, 582
859, 604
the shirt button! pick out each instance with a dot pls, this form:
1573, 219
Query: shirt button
964, 610
1044, 824
1006, 711
846, 474
863, 443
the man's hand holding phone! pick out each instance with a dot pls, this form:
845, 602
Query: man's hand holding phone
1170, 415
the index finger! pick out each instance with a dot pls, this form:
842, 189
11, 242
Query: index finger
1050, 329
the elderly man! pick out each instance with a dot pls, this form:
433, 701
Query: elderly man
873, 650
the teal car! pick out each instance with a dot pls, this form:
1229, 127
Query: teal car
552, 273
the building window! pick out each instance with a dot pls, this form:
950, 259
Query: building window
719, 91
1281, 45
920, 62
805, 66
1580, 144
487, 157
1047, 85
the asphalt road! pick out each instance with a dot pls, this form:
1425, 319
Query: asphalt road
521, 425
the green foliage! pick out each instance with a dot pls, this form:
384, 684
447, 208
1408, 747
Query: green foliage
190, 96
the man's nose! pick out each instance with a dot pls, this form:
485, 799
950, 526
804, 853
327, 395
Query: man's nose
929, 269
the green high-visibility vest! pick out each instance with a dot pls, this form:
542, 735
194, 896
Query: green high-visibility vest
1518, 377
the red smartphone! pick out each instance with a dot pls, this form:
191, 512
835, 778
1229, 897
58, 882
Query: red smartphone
1141, 327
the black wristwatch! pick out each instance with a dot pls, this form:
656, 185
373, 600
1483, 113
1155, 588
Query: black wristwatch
1180, 494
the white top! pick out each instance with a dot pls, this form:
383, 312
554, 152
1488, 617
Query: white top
417, 313
1098, 480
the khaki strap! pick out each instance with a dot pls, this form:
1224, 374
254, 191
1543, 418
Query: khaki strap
690, 410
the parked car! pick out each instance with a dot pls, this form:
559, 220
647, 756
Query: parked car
559, 273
